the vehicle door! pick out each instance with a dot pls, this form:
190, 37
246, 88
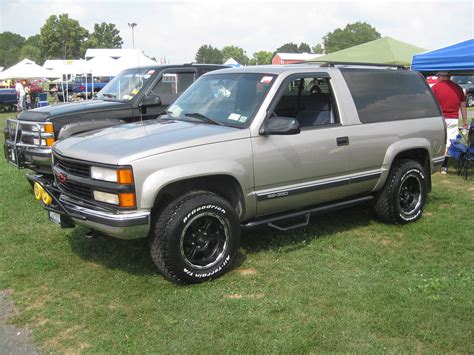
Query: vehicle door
298, 170
168, 86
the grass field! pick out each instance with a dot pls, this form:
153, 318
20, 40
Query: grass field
345, 284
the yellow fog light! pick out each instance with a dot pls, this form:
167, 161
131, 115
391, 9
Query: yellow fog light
38, 189
47, 199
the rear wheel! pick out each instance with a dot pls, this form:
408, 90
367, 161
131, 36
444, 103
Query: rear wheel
403, 197
195, 238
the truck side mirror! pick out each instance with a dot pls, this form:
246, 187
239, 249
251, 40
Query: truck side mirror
280, 126
151, 100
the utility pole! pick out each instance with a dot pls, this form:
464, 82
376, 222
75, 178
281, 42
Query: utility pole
132, 26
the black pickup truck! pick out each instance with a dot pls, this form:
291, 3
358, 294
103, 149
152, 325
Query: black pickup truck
135, 94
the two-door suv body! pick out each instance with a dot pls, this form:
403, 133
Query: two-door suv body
263, 145
129, 97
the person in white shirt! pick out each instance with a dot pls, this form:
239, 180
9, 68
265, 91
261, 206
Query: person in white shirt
20, 92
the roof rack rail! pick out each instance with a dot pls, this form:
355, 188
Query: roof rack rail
326, 63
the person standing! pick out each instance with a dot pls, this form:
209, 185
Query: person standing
451, 99
20, 93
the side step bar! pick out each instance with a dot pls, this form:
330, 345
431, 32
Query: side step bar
272, 220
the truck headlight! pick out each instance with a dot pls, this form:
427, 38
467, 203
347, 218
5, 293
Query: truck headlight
121, 176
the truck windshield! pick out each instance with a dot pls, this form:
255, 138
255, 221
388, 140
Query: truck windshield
225, 99
126, 85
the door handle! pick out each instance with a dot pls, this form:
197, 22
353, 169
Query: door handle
342, 141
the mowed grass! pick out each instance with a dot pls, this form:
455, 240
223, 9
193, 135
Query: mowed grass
347, 283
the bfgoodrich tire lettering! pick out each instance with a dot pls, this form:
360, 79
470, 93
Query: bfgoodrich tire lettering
403, 197
195, 238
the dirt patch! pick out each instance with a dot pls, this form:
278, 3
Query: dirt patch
13, 340
246, 272
238, 296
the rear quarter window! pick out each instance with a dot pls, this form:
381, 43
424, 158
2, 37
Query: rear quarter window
389, 95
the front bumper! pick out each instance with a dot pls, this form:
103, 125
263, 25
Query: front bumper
122, 225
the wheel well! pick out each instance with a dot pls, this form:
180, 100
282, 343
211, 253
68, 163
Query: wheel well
421, 156
223, 185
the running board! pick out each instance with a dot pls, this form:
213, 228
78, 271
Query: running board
272, 220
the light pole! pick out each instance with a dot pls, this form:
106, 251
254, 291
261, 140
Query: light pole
132, 26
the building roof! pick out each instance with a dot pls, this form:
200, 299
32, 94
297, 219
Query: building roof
298, 56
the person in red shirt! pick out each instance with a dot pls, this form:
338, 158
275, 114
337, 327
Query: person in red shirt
450, 98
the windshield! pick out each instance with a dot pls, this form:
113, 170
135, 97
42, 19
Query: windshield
125, 85
463, 79
225, 99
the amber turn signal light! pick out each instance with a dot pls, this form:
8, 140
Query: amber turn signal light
127, 199
125, 176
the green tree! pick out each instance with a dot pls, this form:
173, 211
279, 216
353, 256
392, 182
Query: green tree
317, 49
105, 35
304, 48
31, 49
234, 52
261, 57
62, 37
352, 35
207, 54
10, 46
288, 48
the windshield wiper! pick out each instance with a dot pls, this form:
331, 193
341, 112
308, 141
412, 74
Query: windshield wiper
203, 118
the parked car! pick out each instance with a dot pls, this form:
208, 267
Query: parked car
248, 147
8, 99
134, 95
467, 84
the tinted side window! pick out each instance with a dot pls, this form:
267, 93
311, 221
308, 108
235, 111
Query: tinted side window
172, 84
388, 95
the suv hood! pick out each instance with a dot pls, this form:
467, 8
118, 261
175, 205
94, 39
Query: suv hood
125, 143
48, 113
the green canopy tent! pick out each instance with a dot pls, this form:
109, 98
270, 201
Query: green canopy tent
385, 50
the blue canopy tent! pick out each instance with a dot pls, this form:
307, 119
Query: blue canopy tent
457, 59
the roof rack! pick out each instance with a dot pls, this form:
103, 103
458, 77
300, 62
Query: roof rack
326, 63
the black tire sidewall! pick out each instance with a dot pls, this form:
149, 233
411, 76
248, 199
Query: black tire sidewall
182, 215
409, 170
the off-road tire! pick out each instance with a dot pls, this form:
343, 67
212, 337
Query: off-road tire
403, 197
195, 238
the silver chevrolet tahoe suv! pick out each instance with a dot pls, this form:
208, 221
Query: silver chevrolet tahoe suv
249, 147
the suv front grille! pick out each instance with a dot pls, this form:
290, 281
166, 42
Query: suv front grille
75, 189
73, 167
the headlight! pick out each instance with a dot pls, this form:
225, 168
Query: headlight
121, 176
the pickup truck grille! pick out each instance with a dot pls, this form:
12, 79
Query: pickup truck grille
75, 189
73, 167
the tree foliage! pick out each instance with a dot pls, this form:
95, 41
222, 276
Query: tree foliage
236, 53
105, 35
10, 46
317, 49
288, 48
304, 48
62, 37
207, 54
352, 35
261, 57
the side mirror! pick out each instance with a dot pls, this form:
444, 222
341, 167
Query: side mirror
151, 100
280, 126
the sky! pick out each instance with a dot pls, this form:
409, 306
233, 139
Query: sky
176, 29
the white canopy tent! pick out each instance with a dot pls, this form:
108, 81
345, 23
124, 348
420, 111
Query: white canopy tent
64, 67
102, 66
134, 61
26, 69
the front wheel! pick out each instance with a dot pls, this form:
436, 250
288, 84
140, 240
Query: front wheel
195, 238
403, 197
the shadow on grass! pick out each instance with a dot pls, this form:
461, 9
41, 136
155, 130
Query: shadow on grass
133, 256
320, 226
